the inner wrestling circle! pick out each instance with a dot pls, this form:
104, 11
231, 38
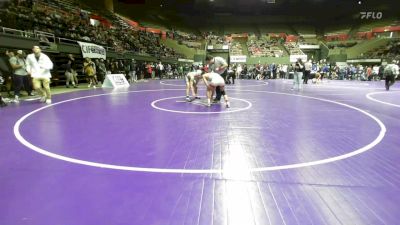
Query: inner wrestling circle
199, 105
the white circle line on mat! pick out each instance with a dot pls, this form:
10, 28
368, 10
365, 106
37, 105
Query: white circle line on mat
365, 148
229, 110
369, 96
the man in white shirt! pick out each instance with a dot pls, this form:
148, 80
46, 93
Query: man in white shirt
239, 70
38, 66
307, 71
391, 72
160, 70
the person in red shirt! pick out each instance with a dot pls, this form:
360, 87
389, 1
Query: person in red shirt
149, 70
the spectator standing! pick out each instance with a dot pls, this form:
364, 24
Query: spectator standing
133, 71
74, 74
2, 102
90, 71
298, 73
101, 70
307, 71
391, 72
127, 69
68, 74
7, 71
20, 75
160, 70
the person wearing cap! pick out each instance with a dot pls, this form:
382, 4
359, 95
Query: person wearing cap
38, 66
391, 72
20, 75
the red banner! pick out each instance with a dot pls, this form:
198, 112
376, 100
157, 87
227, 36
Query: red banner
337, 37
386, 29
153, 30
291, 38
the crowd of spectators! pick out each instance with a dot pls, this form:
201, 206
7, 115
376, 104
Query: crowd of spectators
236, 48
37, 16
190, 40
334, 45
214, 39
389, 51
319, 70
293, 48
264, 48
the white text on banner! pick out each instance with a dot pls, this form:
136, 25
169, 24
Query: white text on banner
90, 50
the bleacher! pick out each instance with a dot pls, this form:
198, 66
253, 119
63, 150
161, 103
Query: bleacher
389, 51
263, 48
236, 48
293, 48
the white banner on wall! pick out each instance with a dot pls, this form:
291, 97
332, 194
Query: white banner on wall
238, 58
309, 46
92, 51
364, 60
186, 60
293, 58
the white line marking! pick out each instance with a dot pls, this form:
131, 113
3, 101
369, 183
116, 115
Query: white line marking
247, 128
369, 96
227, 86
337, 94
367, 147
230, 110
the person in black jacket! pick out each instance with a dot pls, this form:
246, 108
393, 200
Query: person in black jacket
298, 74
6, 71
5, 76
2, 103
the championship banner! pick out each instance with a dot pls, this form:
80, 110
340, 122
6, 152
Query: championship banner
92, 51
238, 58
